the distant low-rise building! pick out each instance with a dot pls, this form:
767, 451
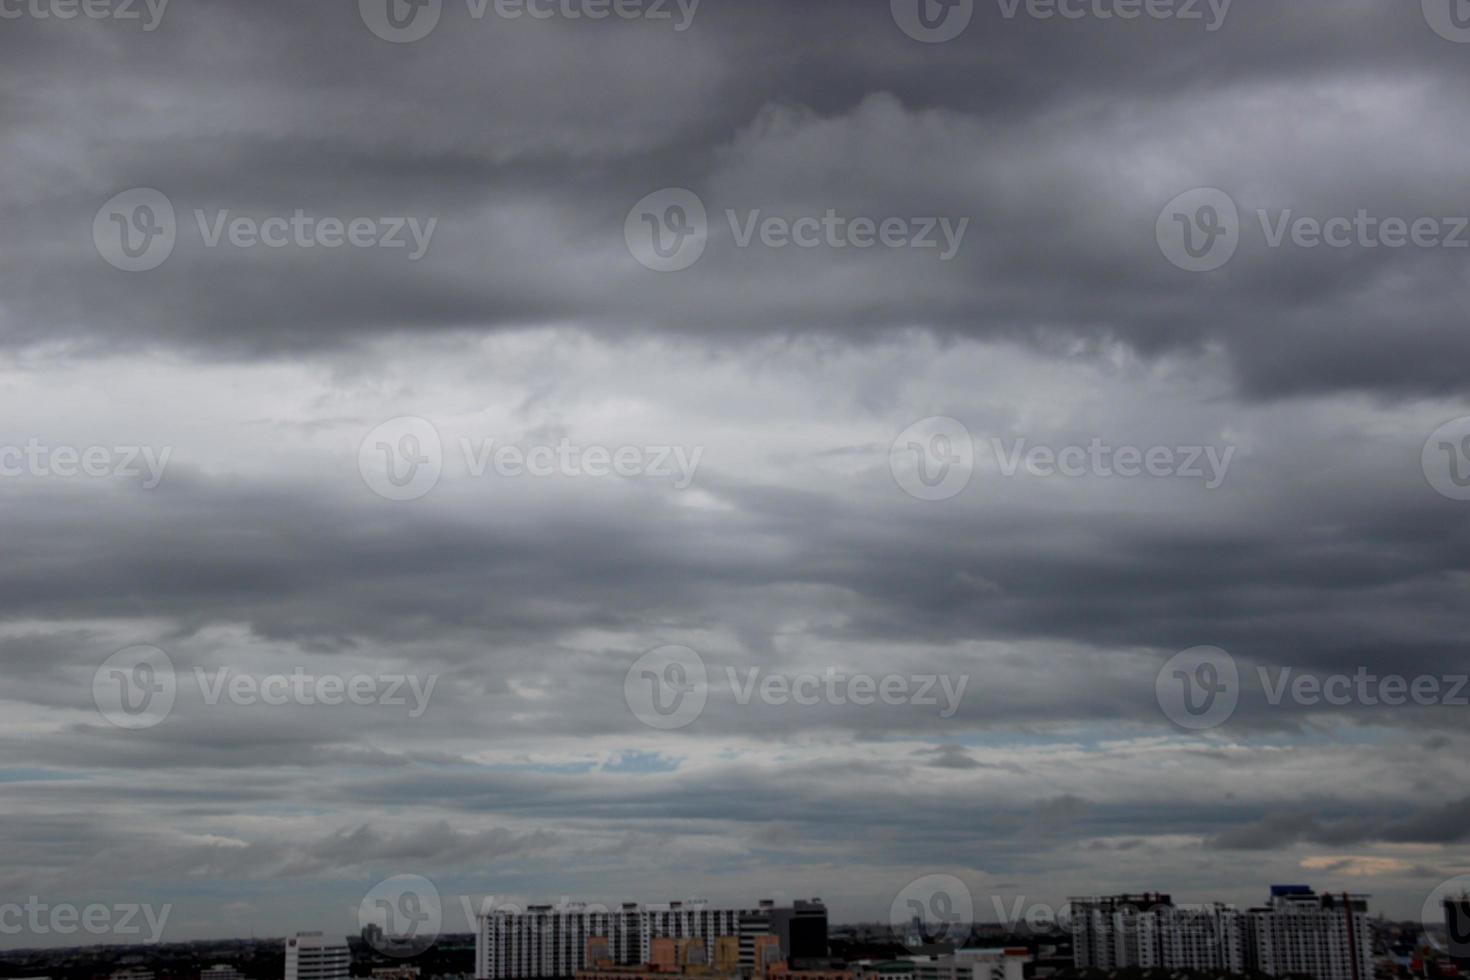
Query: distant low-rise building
221, 971
132, 973
883, 969
1005, 963
400, 972
781, 971
669, 959
694, 958
311, 956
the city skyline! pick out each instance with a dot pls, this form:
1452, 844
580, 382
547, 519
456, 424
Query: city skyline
948, 902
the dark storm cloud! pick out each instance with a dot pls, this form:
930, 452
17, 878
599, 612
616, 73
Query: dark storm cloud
1434, 824
480, 593
529, 141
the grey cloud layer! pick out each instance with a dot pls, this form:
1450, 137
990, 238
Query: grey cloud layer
795, 552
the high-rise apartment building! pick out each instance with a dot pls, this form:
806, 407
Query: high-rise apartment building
1209, 936
310, 956
1323, 936
1105, 930
553, 941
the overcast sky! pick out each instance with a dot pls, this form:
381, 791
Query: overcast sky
985, 252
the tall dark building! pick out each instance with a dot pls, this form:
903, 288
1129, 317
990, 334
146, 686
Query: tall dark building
1457, 929
802, 929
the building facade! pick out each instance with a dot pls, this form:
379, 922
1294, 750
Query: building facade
973, 964
1323, 936
1194, 937
802, 929
311, 956
544, 941
781, 971
1106, 930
